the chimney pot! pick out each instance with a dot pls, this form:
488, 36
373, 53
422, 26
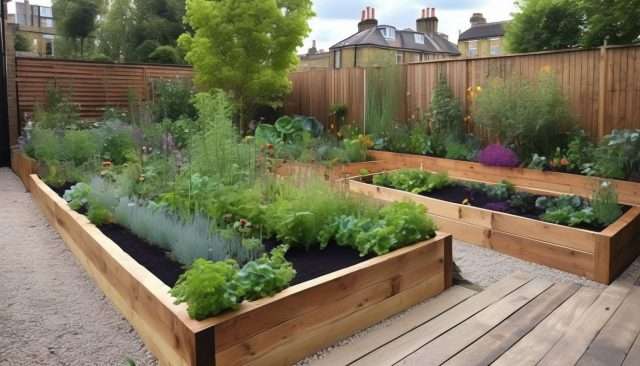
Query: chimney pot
373, 13
363, 14
368, 12
433, 12
368, 19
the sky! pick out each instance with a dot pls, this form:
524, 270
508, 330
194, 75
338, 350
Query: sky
336, 20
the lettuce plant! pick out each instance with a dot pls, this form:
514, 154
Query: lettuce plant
412, 180
78, 195
266, 276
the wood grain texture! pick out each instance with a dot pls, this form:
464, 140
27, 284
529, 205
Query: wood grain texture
500, 339
449, 344
600, 256
398, 349
530, 349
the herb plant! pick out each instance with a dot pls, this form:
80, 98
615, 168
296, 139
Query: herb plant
78, 196
605, 204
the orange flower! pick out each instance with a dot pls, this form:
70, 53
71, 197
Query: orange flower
564, 162
107, 164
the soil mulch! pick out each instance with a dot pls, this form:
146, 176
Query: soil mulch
313, 263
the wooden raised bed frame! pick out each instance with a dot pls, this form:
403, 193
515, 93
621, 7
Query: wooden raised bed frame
600, 256
277, 330
536, 181
330, 172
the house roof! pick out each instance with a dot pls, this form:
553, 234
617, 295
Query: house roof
404, 39
481, 31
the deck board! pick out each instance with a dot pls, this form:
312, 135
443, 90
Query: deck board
518, 321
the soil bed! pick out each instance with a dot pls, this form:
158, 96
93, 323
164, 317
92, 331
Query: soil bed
309, 264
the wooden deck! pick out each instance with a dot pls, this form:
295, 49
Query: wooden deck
517, 321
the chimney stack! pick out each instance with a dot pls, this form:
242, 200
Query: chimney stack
368, 19
477, 19
428, 23
313, 50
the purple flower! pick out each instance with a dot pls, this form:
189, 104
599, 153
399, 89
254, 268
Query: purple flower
498, 155
498, 206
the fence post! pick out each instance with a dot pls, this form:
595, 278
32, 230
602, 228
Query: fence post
602, 97
364, 102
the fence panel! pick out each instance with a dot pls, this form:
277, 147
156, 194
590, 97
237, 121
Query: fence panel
92, 86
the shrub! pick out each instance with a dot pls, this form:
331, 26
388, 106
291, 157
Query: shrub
165, 55
57, 112
172, 99
531, 116
118, 145
79, 146
446, 113
618, 155
498, 155
605, 204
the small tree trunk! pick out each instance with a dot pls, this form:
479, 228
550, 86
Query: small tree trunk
81, 47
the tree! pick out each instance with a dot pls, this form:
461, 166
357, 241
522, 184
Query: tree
545, 25
159, 21
76, 19
616, 20
246, 48
22, 43
114, 30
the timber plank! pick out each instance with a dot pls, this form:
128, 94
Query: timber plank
615, 340
633, 357
455, 340
500, 339
530, 349
397, 349
380, 336
577, 339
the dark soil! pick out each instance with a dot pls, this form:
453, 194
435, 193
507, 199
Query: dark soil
308, 264
316, 262
458, 193
63, 188
156, 260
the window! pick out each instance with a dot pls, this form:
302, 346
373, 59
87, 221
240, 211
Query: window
419, 38
473, 48
48, 44
388, 33
399, 58
337, 59
495, 48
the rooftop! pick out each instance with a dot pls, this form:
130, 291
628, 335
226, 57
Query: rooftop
481, 31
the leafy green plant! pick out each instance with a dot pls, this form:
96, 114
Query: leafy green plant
57, 112
446, 113
266, 276
522, 201
79, 146
412, 180
530, 116
605, 204
538, 162
618, 155
98, 214
579, 152
500, 191
395, 226
566, 210
208, 288
459, 151
118, 145
78, 196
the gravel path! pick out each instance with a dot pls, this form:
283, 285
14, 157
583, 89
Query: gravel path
51, 313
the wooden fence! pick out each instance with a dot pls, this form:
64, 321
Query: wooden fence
92, 86
602, 85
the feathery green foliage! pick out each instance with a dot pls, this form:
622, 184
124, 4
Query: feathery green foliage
605, 204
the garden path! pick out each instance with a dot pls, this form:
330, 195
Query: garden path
50, 311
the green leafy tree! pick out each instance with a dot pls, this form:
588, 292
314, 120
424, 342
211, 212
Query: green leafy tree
115, 28
157, 23
617, 20
545, 25
22, 43
76, 19
246, 48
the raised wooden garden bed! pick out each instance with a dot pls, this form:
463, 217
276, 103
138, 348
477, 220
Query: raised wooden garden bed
552, 183
23, 166
331, 172
279, 330
600, 256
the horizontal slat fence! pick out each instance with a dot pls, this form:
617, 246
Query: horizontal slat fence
92, 86
600, 101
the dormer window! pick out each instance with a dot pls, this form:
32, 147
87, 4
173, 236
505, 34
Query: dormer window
419, 38
388, 32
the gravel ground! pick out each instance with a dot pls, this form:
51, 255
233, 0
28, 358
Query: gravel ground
51, 313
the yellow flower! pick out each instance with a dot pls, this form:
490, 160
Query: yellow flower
479, 88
